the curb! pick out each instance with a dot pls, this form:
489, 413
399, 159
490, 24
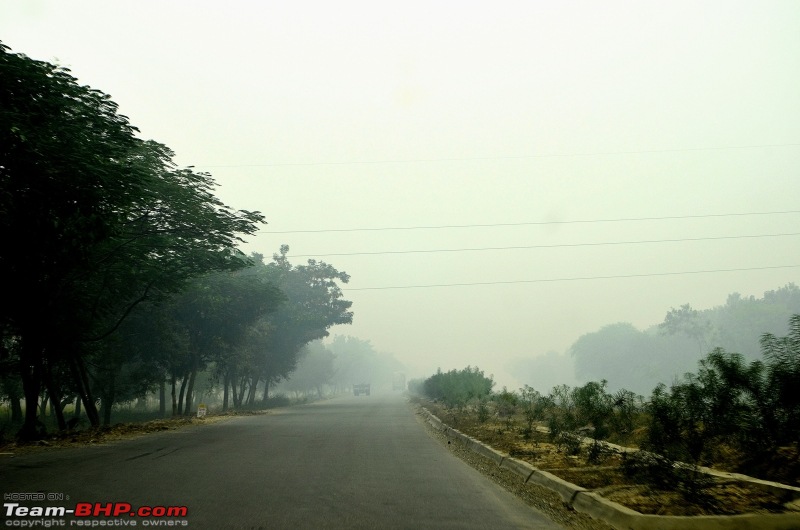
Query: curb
617, 515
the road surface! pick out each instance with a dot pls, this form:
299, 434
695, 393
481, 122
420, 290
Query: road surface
353, 462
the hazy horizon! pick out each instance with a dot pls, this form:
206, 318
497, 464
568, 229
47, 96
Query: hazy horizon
497, 180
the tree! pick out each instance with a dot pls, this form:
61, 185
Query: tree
98, 220
218, 313
689, 322
782, 356
314, 370
629, 358
314, 303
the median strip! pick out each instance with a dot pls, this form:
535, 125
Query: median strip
616, 515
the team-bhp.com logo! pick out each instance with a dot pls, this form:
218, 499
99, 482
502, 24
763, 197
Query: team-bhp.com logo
90, 510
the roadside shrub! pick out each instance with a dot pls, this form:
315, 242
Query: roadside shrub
457, 387
571, 443
533, 408
506, 407
483, 410
560, 412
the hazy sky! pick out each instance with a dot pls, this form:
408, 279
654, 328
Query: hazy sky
554, 125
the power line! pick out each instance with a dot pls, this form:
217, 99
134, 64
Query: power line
498, 157
560, 245
345, 288
531, 223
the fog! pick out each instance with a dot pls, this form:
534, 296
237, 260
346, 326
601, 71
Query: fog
497, 179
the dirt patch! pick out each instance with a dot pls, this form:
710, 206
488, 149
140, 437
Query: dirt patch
119, 431
603, 472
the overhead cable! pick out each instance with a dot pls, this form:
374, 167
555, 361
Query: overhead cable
528, 223
523, 247
577, 278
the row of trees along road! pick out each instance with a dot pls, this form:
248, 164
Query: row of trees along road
121, 269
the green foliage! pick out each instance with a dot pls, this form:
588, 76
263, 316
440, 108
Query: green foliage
108, 222
751, 408
560, 411
483, 411
115, 280
533, 408
314, 303
585, 411
782, 358
456, 387
507, 403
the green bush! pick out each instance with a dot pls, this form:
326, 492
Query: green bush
506, 407
457, 387
752, 409
533, 408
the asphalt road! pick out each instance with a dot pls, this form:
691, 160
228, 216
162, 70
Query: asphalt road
354, 462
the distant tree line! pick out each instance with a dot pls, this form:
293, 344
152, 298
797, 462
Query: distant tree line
122, 272
336, 366
638, 360
743, 413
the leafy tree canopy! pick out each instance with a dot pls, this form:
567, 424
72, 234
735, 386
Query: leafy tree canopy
94, 219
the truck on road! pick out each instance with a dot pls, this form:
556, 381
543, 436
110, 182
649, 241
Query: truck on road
362, 388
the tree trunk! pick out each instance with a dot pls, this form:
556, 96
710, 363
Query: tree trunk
55, 407
77, 413
106, 406
182, 393
162, 398
237, 402
265, 399
226, 382
190, 393
16, 409
81, 380
251, 394
242, 388
174, 383
30, 369
107, 401
55, 399
11, 390
43, 400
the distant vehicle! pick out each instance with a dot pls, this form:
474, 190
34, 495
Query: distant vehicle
399, 381
363, 388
